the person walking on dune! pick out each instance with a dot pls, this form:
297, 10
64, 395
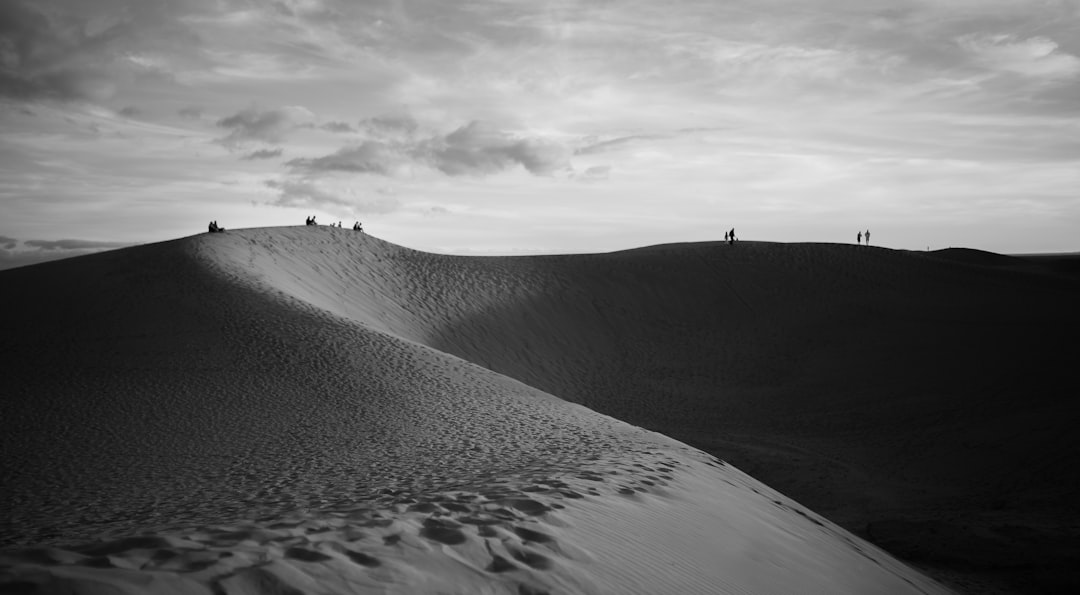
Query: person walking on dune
858, 238
867, 235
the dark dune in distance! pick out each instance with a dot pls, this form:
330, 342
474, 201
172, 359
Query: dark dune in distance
920, 400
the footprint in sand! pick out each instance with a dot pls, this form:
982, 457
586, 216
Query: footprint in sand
306, 555
363, 559
443, 531
532, 559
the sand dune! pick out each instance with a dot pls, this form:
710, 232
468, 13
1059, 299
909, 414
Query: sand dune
318, 410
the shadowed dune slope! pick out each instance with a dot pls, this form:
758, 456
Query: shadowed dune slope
881, 388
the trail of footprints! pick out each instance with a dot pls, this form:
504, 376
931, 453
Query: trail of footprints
503, 527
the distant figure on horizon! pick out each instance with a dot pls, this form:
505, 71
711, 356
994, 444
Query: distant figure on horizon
731, 236
858, 238
725, 236
310, 221
214, 227
867, 235
357, 227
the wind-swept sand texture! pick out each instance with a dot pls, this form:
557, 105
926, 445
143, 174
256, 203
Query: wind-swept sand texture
316, 410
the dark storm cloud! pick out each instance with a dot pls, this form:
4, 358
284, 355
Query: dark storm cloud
305, 193
263, 154
267, 126
475, 149
8, 243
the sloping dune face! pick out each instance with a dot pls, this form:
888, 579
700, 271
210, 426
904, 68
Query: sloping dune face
916, 369
314, 410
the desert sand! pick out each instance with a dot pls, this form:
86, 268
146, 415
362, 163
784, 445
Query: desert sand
315, 410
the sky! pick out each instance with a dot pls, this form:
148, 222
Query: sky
519, 127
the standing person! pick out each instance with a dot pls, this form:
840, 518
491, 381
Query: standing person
858, 238
867, 234
725, 236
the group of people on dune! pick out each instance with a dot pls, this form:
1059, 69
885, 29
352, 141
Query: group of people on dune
863, 234
215, 228
311, 221
729, 236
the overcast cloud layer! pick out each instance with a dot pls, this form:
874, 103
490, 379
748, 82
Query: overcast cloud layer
530, 126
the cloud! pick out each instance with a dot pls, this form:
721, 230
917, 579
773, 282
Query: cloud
1036, 57
42, 59
477, 148
266, 126
337, 127
263, 154
74, 244
374, 157
190, 112
390, 126
38, 251
83, 51
594, 174
304, 193
129, 111
615, 143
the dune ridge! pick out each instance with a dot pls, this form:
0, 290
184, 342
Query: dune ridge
331, 380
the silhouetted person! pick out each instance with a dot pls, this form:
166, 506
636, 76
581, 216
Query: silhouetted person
858, 238
210, 228
867, 234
